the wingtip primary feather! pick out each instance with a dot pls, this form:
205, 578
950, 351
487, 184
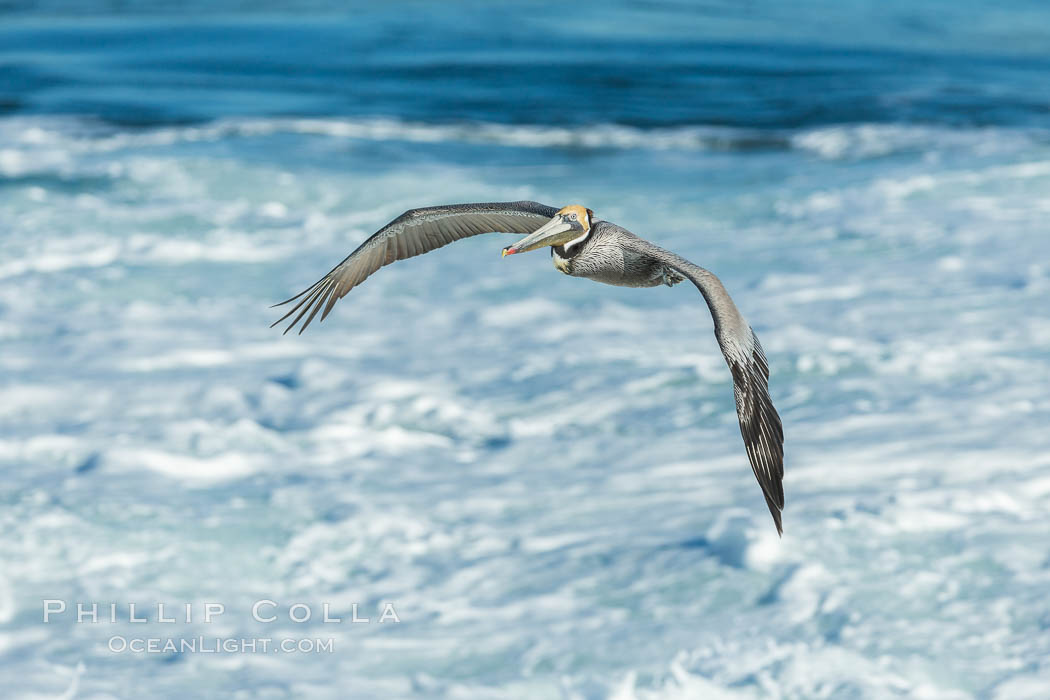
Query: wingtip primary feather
291, 299
760, 427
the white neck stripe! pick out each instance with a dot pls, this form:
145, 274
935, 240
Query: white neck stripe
574, 241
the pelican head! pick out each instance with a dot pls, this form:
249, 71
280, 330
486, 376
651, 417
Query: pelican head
571, 223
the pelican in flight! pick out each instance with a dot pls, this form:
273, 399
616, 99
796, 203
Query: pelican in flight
581, 246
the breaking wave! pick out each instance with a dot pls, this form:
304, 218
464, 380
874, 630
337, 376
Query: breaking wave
853, 141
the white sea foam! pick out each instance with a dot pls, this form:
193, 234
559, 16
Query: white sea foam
46, 144
194, 468
545, 473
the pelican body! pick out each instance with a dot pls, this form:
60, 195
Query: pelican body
581, 246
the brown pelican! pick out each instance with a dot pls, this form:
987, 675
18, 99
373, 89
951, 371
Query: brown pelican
582, 246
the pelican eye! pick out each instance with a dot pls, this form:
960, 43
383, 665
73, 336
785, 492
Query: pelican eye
573, 216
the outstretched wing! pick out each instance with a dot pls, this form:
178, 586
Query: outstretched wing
759, 422
415, 232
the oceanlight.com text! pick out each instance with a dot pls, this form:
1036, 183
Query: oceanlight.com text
119, 644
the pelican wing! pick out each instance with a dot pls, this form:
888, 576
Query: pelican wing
759, 422
415, 232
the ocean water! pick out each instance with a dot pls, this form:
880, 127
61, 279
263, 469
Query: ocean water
542, 476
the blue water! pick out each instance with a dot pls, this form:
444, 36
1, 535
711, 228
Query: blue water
543, 476
660, 64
